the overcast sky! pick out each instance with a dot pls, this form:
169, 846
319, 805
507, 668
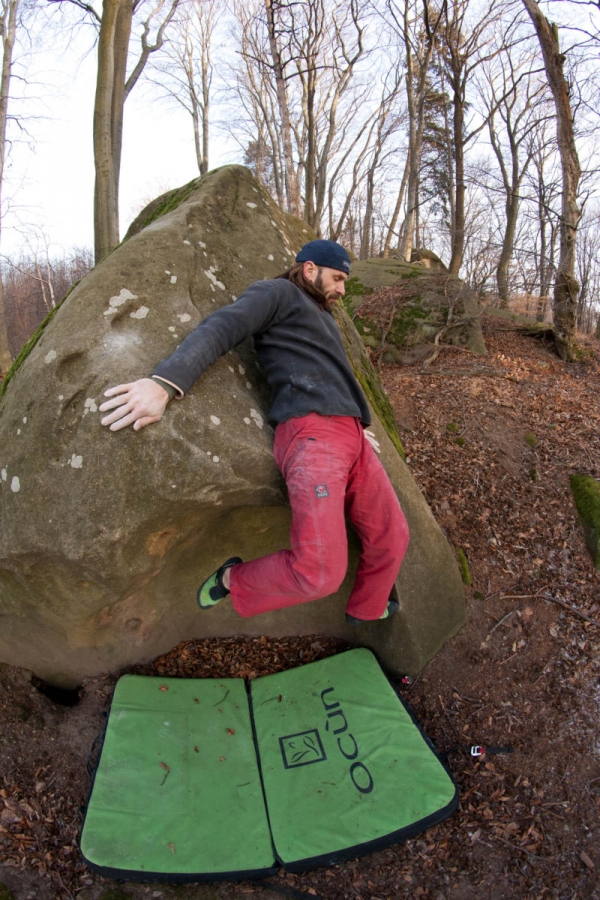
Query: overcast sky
50, 179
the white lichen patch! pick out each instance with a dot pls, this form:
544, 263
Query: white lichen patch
273, 223
24, 420
173, 279
119, 300
184, 317
167, 271
15, 485
271, 257
90, 406
189, 243
18, 431
215, 459
247, 420
231, 369
241, 369
215, 420
248, 385
171, 328
257, 417
50, 356
251, 205
140, 313
76, 462
202, 244
3, 474
210, 274
61, 397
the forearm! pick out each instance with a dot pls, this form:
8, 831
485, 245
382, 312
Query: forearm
219, 333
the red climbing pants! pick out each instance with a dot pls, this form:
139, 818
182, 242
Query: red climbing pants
331, 471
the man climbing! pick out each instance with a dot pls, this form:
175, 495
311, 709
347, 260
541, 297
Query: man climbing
320, 445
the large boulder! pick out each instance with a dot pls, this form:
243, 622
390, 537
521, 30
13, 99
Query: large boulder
106, 536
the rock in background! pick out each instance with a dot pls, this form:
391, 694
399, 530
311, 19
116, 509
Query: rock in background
105, 536
404, 310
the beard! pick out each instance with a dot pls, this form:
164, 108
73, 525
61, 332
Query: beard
330, 296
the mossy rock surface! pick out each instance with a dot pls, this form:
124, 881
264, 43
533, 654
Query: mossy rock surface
586, 493
105, 536
400, 307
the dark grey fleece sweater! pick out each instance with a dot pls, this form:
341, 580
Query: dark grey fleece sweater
298, 344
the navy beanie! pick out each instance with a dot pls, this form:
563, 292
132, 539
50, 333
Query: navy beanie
325, 253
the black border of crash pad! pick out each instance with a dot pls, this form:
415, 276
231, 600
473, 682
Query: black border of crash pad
386, 840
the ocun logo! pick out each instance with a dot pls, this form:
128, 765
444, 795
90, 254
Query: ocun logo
346, 742
302, 749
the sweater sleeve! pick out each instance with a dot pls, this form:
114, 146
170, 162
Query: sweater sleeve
259, 307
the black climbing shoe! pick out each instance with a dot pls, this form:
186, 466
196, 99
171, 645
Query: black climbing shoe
390, 610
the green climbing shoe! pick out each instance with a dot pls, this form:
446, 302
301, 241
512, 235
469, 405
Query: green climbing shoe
213, 589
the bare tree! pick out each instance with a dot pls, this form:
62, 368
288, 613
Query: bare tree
512, 95
186, 69
386, 122
300, 64
34, 282
113, 86
566, 286
417, 26
588, 271
466, 42
9, 13
544, 181
273, 9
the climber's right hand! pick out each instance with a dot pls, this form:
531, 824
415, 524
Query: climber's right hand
138, 403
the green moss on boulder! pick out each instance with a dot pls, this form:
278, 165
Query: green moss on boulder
28, 347
463, 564
586, 493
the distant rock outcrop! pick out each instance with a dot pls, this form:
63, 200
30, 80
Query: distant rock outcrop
405, 309
105, 536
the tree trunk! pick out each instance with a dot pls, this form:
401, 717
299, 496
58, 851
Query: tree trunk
113, 42
396, 213
290, 174
9, 30
566, 287
458, 224
311, 151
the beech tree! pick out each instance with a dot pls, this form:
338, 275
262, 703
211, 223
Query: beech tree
566, 286
417, 25
466, 42
113, 86
9, 14
300, 59
512, 95
186, 69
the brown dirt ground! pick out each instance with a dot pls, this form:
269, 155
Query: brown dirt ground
524, 671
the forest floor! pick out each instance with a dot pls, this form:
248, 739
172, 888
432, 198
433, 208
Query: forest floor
524, 671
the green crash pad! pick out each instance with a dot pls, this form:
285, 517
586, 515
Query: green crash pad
200, 780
